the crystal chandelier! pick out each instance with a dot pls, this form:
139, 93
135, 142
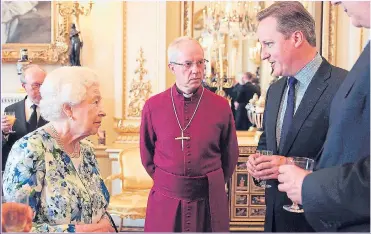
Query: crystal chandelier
232, 18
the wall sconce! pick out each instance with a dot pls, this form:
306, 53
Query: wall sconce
77, 8
80, 9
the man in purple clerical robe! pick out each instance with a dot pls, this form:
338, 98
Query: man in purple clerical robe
188, 145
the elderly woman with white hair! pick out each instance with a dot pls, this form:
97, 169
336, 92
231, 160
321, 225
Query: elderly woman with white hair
54, 165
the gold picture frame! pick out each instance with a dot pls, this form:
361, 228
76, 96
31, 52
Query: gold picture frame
257, 200
241, 212
242, 199
257, 212
55, 52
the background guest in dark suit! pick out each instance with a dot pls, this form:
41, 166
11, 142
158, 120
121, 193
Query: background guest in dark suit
297, 105
27, 112
336, 197
244, 92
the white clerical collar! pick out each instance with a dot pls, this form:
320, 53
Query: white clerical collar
187, 95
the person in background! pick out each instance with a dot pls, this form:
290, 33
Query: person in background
244, 92
27, 111
336, 196
54, 165
297, 105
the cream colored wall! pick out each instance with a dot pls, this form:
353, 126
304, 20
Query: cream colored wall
350, 40
173, 30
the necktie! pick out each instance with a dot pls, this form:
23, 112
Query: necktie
290, 108
33, 119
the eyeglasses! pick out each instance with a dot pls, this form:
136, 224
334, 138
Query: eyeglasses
188, 64
35, 85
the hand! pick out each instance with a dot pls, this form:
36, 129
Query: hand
291, 178
106, 226
103, 225
236, 104
251, 165
22, 208
5, 124
267, 166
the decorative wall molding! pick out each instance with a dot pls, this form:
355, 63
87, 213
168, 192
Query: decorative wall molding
10, 98
187, 18
329, 25
140, 89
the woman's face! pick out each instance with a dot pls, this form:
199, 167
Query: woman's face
87, 116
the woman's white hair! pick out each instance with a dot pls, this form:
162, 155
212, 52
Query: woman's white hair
65, 85
173, 49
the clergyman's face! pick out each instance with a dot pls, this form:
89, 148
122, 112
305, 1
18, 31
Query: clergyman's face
277, 50
188, 78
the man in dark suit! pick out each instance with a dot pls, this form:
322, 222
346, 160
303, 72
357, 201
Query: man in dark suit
336, 197
244, 92
27, 112
297, 105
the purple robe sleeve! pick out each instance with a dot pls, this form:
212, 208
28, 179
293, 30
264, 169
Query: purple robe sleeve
229, 148
147, 141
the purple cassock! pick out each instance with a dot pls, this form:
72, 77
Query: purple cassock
188, 194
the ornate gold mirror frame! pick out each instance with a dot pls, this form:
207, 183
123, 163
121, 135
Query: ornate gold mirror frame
56, 51
328, 34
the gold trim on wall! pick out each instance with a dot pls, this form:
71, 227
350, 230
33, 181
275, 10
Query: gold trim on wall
56, 51
140, 89
187, 18
127, 129
329, 32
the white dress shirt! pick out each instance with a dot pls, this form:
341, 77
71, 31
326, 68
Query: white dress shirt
29, 110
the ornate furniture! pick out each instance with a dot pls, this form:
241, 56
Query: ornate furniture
131, 203
246, 201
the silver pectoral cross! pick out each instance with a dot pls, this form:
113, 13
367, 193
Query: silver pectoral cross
182, 138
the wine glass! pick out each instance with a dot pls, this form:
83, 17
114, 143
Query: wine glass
306, 164
10, 115
15, 220
263, 183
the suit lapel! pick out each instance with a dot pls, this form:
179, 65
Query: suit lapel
275, 96
314, 91
41, 122
351, 78
21, 118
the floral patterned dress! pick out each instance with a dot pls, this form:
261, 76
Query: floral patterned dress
60, 194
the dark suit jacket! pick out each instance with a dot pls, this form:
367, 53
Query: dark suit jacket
304, 139
20, 128
243, 95
348, 140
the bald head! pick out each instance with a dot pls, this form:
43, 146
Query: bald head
33, 77
32, 70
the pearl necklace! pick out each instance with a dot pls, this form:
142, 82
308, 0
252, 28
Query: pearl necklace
76, 151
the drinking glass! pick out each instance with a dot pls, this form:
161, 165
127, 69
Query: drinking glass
15, 220
263, 183
11, 118
306, 164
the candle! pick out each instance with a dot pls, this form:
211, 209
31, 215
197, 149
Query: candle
221, 62
208, 72
204, 15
